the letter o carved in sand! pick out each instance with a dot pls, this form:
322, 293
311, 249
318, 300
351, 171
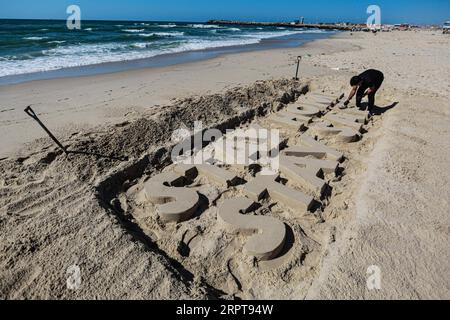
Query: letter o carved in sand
271, 233
175, 204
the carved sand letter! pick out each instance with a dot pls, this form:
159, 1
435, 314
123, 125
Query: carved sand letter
238, 148
271, 233
341, 133
354, 114
319, 99
219, 175
175, 204
312, 147
307, 103
303, 110
306, 171
344, 120
261, 185
293, 121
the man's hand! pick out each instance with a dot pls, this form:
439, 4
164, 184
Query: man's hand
346, 103
369, 91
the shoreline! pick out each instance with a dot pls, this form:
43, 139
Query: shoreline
69, 104
166, 59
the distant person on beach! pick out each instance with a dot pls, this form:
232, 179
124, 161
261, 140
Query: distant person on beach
366, 84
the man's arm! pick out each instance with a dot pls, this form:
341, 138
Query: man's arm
351, 95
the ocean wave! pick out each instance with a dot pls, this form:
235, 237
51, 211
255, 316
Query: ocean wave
8, 58
225, 30
203, 26
139, 45
88, 29
170, 25
320, 31
82, 55
57, 41
162, 34
133, 30
269, 34
35, 38
312, 31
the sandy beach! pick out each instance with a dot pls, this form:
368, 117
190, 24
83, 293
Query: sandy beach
389, 209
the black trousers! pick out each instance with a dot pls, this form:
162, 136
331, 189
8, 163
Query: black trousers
371, 97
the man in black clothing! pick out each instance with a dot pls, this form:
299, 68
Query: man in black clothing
366, 84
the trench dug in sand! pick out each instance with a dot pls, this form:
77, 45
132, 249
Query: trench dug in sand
244, 233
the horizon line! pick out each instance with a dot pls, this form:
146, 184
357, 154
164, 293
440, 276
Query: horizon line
202, 21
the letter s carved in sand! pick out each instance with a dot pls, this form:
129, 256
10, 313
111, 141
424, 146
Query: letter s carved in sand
267, 243
174, 204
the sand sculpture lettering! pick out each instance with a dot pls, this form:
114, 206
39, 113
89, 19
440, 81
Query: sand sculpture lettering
305, 164
174, 203
312, 147
344, 120
308, 172
290, 120
303, 110
341, 133
265, 185
270, 234
219, 175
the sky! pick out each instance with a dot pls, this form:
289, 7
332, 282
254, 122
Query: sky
392, 11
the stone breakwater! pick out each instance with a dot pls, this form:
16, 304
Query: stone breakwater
282, 24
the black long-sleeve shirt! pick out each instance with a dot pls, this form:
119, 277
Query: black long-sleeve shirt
371, 79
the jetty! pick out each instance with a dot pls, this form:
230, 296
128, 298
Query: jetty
328, 26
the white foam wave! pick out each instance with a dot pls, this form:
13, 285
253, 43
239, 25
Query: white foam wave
162, 34
312, 31
203, 26
133, 30
35, 38
170, 25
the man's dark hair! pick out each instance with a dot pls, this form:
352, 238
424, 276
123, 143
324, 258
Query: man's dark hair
355, 81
